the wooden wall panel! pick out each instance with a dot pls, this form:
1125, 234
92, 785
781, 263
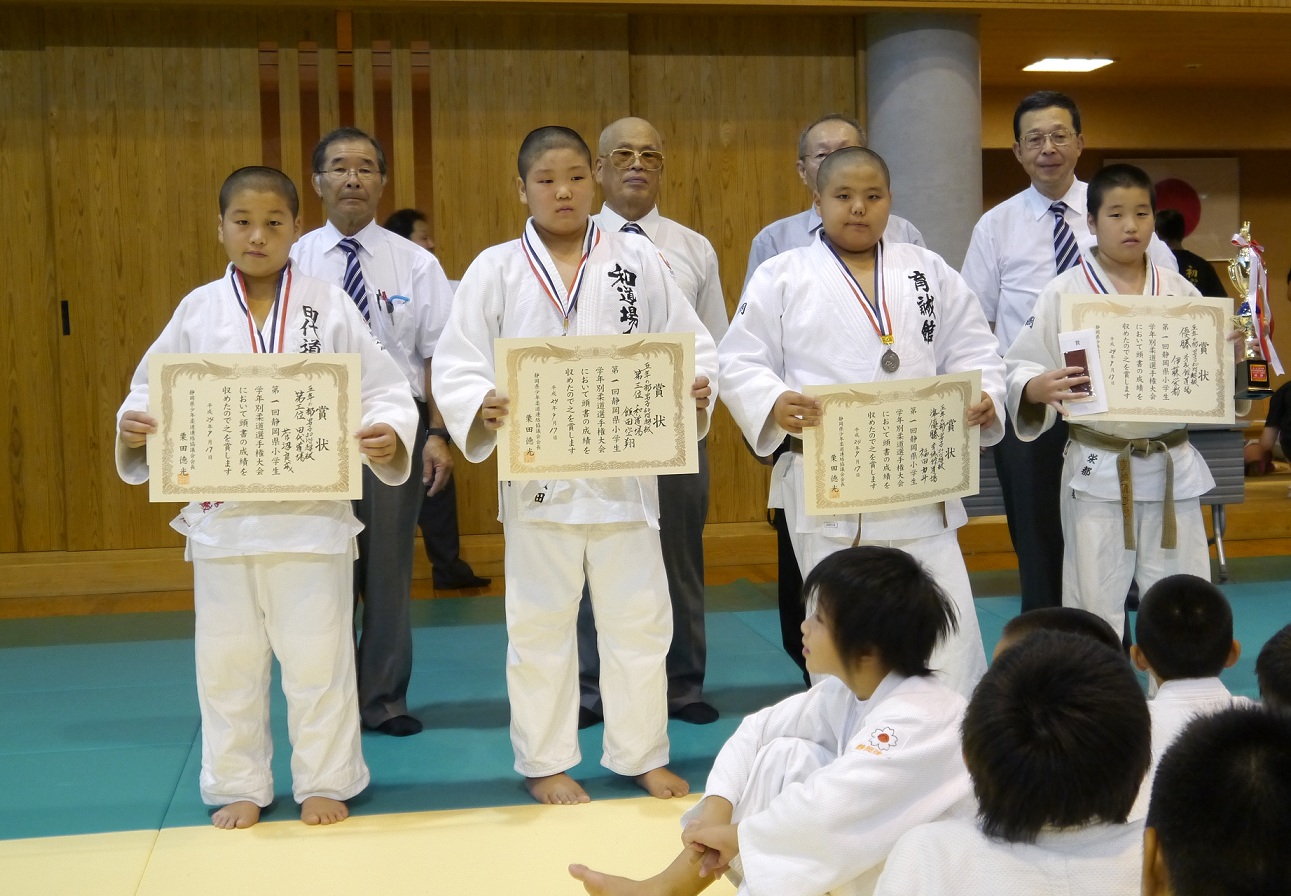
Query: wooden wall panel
494, 79
31, 484
730, 96
145, 125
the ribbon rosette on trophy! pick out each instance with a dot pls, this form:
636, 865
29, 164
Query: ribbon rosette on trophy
1254, 317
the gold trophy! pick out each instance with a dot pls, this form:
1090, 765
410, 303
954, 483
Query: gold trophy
1253, 369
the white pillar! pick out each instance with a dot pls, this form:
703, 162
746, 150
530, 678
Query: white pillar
924, 98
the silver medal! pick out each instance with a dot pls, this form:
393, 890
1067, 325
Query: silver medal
890, 361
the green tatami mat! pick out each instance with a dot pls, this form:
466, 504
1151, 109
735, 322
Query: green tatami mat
99, 722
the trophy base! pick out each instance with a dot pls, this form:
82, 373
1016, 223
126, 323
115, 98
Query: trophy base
1253, 379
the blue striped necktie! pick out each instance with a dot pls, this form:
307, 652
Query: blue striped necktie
1065, 251
633, 227
353, 282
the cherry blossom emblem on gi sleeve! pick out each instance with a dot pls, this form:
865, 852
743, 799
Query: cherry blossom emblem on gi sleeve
883, 738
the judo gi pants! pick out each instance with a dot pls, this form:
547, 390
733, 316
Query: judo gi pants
1097, 569
683, 509
959, 659
546, 566
296, 607
781, 762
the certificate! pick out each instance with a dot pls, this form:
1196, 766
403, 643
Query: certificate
894, 444
1163, 359
592, 406
264, 427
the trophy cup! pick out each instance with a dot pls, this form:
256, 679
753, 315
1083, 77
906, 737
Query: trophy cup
1253, 370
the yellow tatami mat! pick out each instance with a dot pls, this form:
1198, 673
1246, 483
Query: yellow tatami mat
510, 850
81, 865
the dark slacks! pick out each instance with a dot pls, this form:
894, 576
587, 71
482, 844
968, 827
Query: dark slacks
1031, 481
383, 584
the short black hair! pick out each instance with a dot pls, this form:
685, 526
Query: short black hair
348, 133
1273, 670
1110, 177
1057, 734
402, 221
552, 136
1170, 224
1072, 620
1221, 805
830, 116
879, 598
1184, 628
1044, 99
851, 155
262, 179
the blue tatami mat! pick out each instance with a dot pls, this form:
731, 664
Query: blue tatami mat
99, 723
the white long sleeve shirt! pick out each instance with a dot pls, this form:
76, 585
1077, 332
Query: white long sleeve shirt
1011, 256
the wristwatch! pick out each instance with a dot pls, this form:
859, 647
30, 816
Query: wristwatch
439, 431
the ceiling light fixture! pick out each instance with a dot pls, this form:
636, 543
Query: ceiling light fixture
1067, 65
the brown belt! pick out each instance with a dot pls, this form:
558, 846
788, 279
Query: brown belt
1125, 449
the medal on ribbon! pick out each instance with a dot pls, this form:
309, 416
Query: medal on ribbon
552, 285
876, 310
277, 314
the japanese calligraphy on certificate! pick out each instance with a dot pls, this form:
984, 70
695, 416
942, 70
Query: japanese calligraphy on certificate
894, 444
265, 427
592, 406
1163, 359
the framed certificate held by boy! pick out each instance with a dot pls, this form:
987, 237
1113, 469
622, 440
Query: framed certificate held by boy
596, 406
891, 444
1166, 359
254, 427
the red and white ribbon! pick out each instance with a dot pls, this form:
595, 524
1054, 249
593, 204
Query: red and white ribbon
550, 284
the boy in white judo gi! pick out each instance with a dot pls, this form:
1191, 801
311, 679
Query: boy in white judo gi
1183, 637
273, 578
1218, 821
854, 308
1164, 476
808, 796
1056, 741
566, 276
1273, 670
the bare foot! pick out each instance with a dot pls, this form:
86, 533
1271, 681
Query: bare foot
598, 884
322, 810
557, 790
241, 814
662, 784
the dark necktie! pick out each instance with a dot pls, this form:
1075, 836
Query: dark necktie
353, 282
633, 227
1065, 251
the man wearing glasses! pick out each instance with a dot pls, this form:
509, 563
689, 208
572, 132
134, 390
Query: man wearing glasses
1016, 249
401, 290
629, 168
818, 139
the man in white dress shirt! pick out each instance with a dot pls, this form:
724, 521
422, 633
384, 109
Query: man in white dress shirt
817, 140
1014, 253
629, 168
402, 291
